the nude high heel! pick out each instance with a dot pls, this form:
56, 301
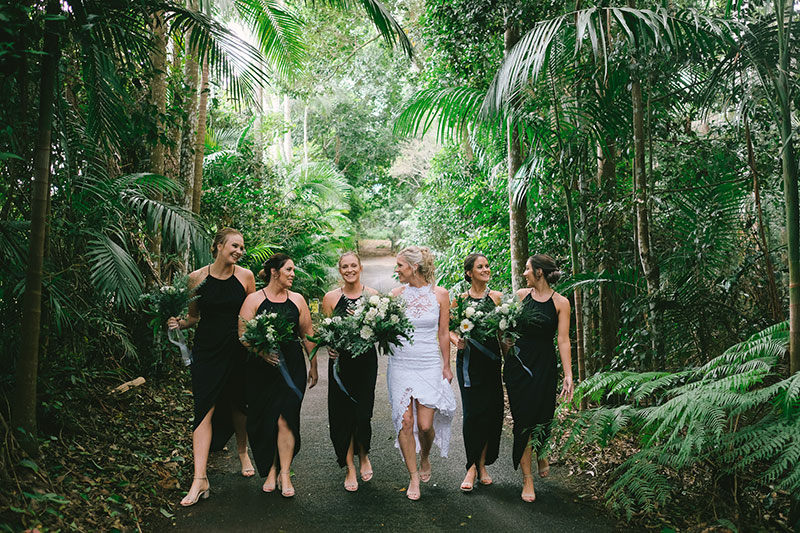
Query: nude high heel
204, 494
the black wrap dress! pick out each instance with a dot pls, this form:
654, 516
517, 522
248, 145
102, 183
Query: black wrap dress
531, 375
269, 396
350, 413
481, 388
218, 358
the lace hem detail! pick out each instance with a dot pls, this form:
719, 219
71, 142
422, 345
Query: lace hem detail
445, 410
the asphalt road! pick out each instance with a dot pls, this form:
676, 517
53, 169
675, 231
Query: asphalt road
322, 504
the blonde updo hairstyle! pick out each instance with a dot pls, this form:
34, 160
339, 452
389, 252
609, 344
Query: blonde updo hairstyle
421, 259
221, 237
345, 254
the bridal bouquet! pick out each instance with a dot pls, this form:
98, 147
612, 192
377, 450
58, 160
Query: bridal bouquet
471, 320
167, 301
264, 333
381, 320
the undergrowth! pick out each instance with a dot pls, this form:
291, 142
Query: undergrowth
107, 461
723, 435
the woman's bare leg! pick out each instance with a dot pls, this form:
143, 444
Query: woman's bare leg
201, 443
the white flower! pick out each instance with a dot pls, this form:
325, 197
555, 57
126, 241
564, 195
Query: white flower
466, 326
478, 314
394, 319
366, 333
374, 299
469, 311
336, 319
504, 309
503, 324
327, 321
371, 314
385, 300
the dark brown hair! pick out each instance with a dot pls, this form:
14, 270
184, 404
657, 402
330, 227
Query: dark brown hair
221, 238
548, 265
469, 264
276, 261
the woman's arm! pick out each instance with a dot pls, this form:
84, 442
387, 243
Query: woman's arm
443, 297
306, 329
455, 338
564, 346
193, 317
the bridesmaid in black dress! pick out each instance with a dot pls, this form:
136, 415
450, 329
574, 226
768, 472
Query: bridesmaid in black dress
531, 374
276, 383
218, 357
350, 413
480, 382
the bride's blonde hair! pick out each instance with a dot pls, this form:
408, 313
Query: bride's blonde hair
422, 258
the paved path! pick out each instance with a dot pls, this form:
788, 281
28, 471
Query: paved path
321, 504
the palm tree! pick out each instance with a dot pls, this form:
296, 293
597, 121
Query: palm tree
108, 33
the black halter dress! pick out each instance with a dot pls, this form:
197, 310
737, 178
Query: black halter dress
350, 417
481, 396
218, 357
270, 397
531, 376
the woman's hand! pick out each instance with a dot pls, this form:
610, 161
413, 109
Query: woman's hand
312, 377
447, 374
460, 343
173, 323
567, 389
271, 358
332, 354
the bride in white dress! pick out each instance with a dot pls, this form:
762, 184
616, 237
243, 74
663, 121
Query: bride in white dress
419, 375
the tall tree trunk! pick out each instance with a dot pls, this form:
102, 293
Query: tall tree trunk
189, 132
24, 412
258, 133
607, 184
158, 95
789, 164
305, 136
200, 143
774, 298
517, 206
172, 165
287, 136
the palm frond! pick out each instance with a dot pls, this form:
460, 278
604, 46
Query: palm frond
278, 31
114, 272
451, 110
380, 16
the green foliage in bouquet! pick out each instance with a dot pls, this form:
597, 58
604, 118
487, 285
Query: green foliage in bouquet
167, 301
736, 414
507, 318
381, 320
470, 319
264, 333
337, 333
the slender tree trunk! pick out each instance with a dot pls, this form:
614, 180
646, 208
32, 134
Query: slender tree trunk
789, 164
287, 136
305, 135
774, 298
24, 412
189, 132
200, 143
517, 206
172, 165
158, 95
649, 264
258, 134
607, 218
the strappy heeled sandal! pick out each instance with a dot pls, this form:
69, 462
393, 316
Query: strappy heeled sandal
413, 495
204, 494
528, 497
285, 492
353, 485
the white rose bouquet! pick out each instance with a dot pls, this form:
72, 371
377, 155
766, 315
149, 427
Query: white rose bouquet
508, 317
469, 319
381, 320
337, 333
264, 333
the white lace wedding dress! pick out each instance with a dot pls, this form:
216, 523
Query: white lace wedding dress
415, 369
